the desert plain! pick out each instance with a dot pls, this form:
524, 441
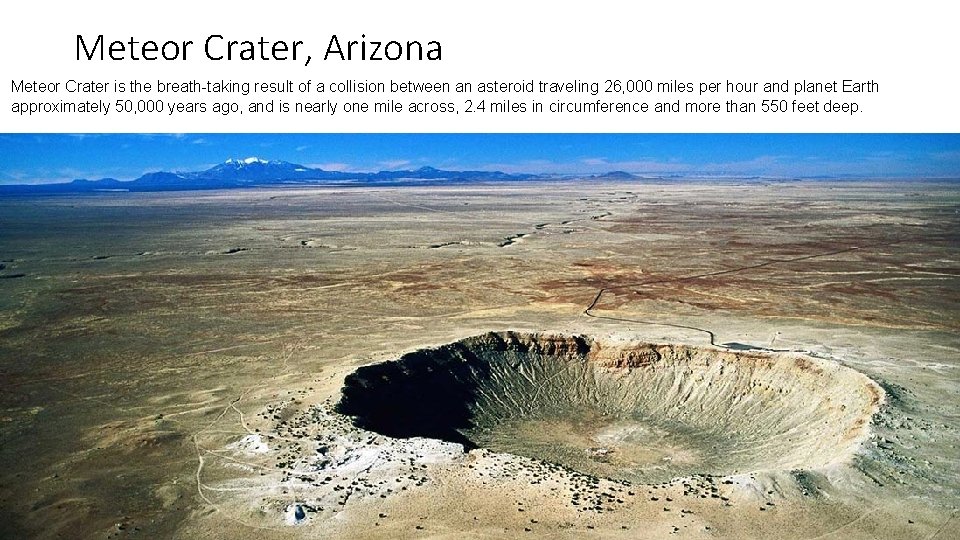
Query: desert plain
562, 359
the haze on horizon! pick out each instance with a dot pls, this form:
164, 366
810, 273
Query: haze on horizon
50, 158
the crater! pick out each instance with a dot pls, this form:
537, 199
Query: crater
620, 409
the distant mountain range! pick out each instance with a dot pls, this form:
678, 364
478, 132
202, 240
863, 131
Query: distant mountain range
253, 171
256, 172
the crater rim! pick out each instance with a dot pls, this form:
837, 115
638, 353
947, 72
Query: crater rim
688, 407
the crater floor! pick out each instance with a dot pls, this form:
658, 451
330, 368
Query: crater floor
619, 409
180, 376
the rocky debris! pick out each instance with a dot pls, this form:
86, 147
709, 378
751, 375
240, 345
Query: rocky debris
620, 409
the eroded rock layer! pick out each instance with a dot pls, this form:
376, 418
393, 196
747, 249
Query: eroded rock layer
620, 409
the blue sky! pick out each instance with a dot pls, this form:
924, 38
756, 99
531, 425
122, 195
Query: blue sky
42, 158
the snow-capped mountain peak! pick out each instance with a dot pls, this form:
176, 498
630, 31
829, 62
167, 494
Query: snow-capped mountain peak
245, 161
253, 171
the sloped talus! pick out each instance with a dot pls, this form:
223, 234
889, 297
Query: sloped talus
629, 410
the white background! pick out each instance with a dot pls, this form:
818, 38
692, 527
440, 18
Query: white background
908, 48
